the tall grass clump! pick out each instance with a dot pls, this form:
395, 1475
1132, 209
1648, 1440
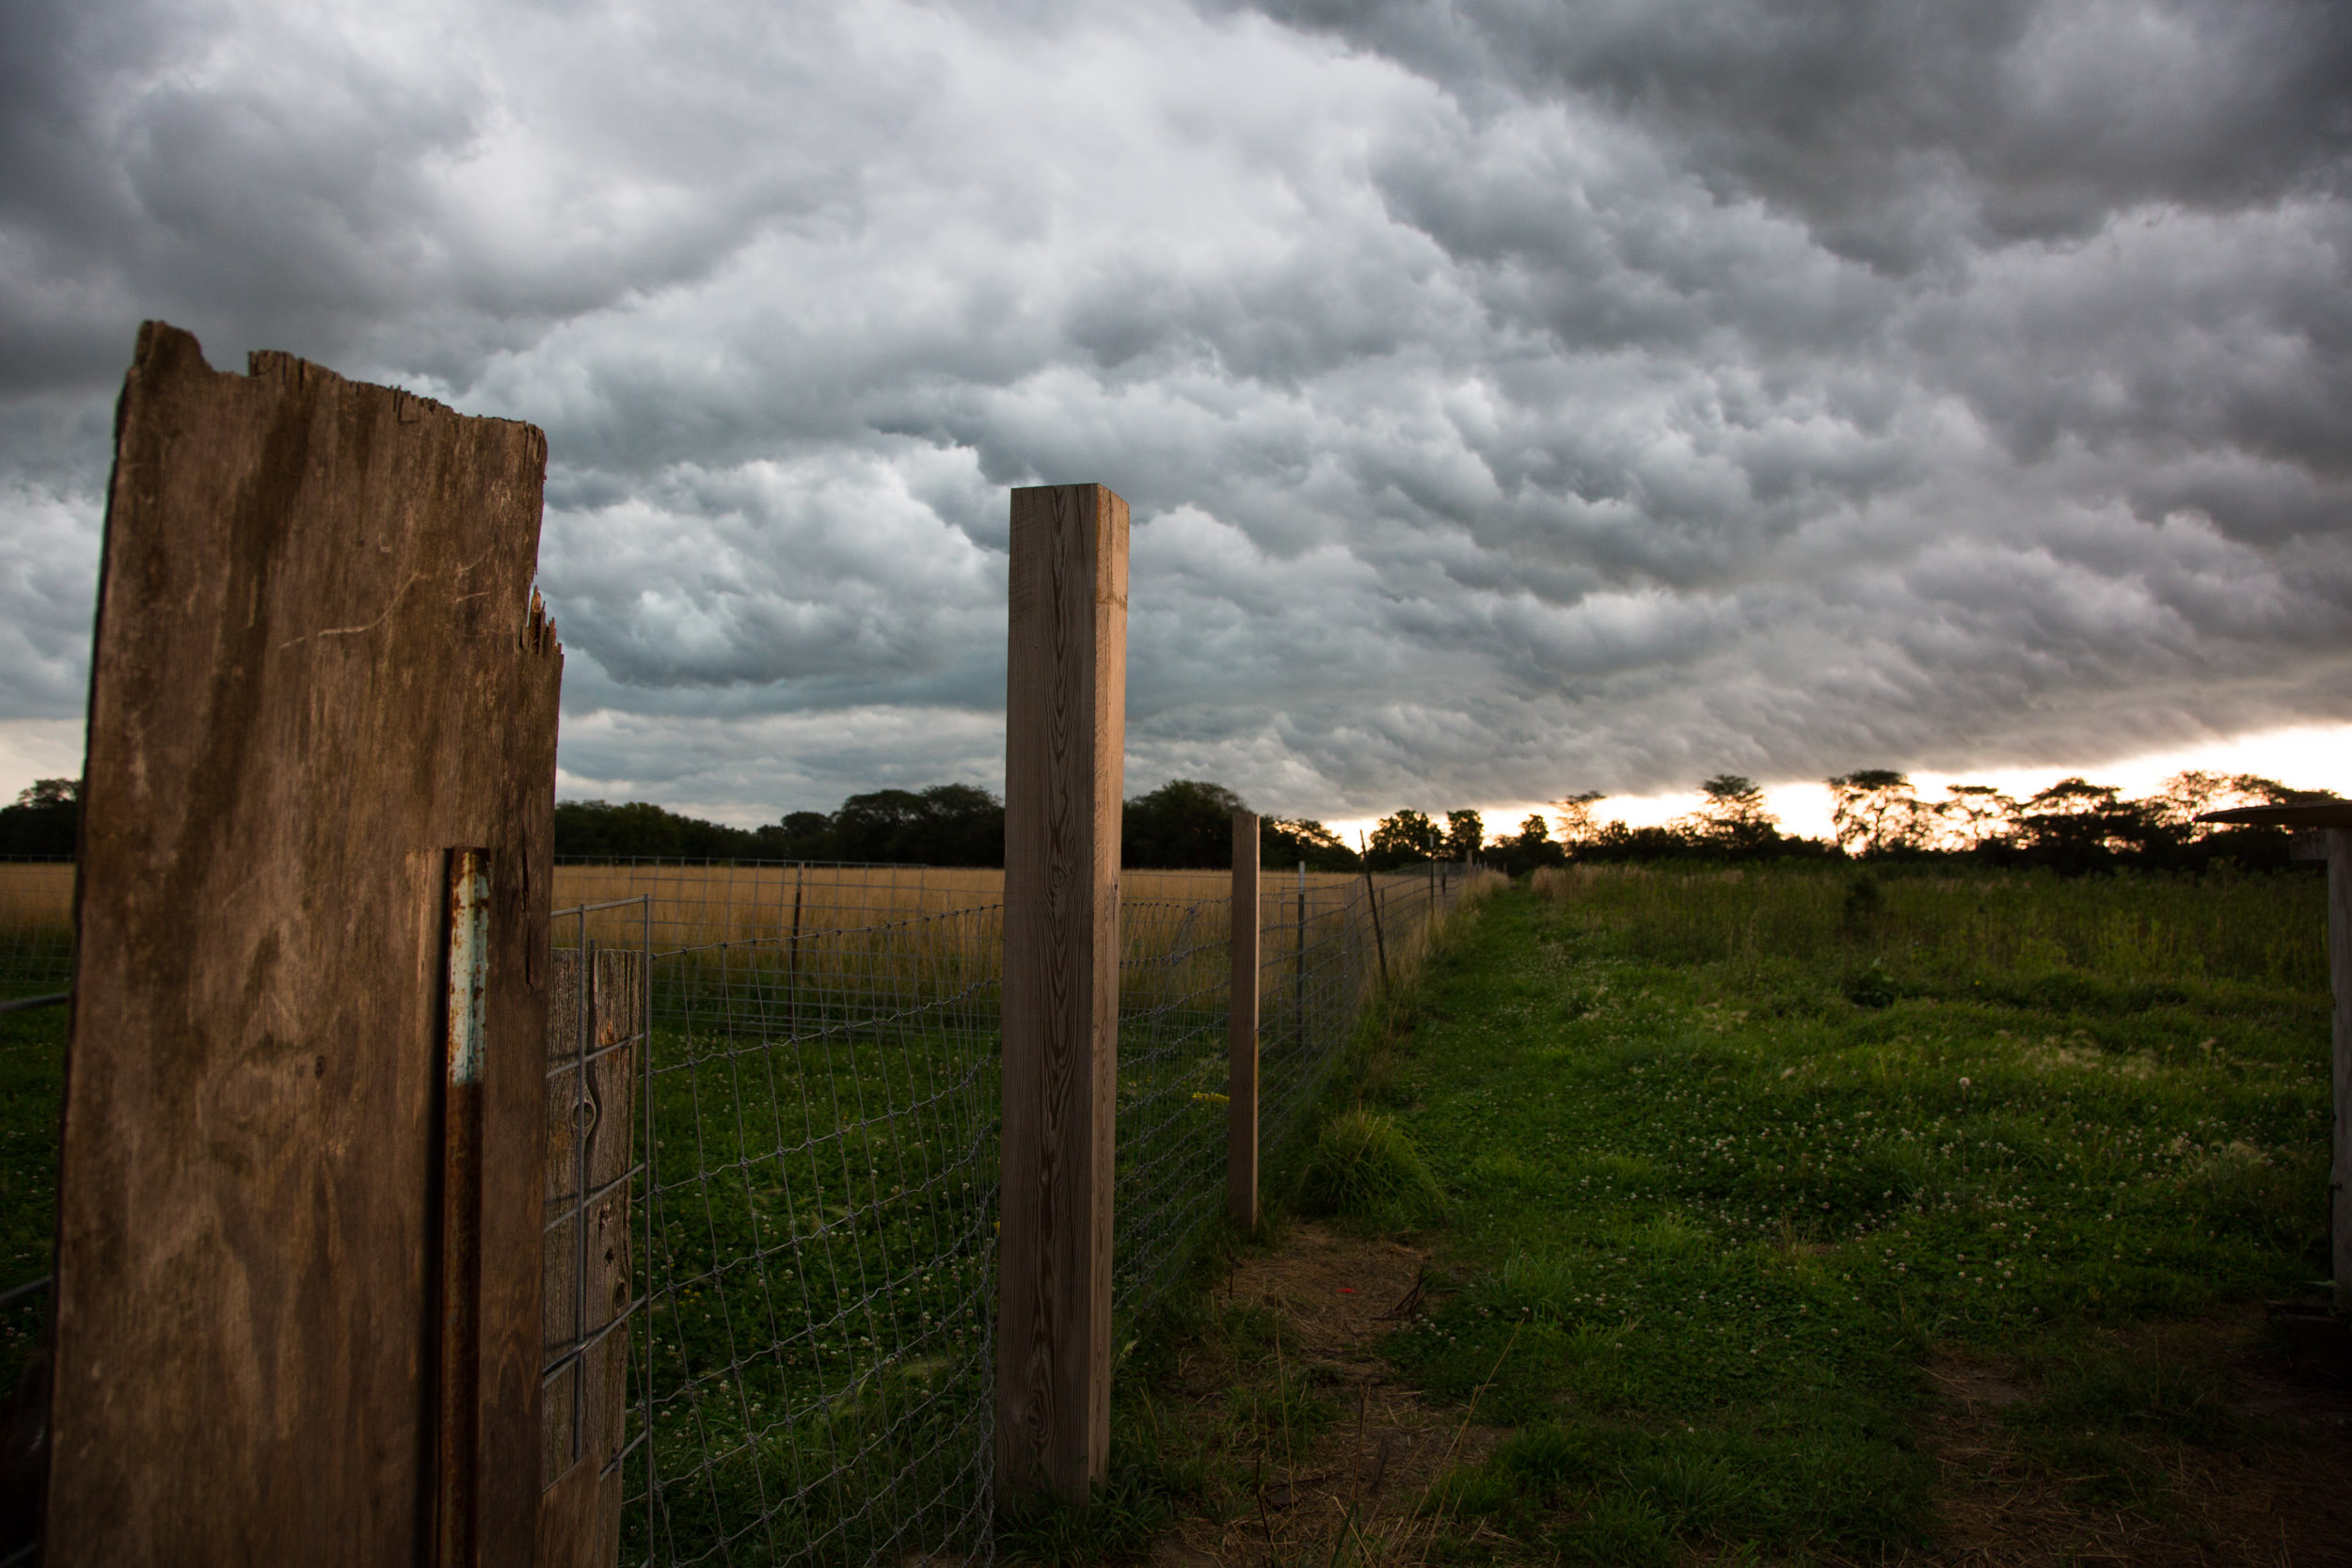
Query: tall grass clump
1365, 1168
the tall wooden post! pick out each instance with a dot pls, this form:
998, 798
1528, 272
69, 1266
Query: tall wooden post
1065, 730
2340, 977
2335, 817
1241, 1119
319, 669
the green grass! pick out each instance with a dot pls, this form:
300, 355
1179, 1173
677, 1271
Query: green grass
1363, 1167
823, 1254
1729, 1152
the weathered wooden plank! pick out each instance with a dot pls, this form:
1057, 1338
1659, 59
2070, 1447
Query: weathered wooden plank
2317, 813
1241, 1109
1065, 724
319, 666
590, 1114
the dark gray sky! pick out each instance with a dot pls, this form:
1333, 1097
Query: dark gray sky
1513, 396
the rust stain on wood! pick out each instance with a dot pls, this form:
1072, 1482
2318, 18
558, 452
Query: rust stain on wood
466, 970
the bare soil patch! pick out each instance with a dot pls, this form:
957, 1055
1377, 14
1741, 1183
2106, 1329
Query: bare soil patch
1335, 1296
2278, 1493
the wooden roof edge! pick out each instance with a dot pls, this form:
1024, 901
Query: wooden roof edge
2316, 814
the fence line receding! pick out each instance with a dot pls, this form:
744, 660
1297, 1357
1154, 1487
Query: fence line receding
809, 1130
814, 1367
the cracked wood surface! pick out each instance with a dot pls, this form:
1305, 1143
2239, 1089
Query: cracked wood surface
319, 664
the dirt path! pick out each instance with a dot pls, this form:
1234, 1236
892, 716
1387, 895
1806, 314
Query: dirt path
1335, 1296
2278, 1493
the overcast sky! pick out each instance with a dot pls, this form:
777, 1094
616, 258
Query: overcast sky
1513, 396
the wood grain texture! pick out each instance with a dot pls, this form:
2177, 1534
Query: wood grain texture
1241, 1108
591, 1117
319, 664
1065, 727
2339, 980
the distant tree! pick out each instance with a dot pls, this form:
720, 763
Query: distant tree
1464, 835
1616, 841
1578, 824
2188, 795
1523, 851
1185, 823
638, 830
1287, 841
944, 825
1972, 817
1874, 812
803, 835
2076, 824
1408, 838
44, 822
951, 824
1733, 818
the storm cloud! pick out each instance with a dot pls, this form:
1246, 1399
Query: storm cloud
1512, 397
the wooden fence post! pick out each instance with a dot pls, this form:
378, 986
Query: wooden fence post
319, 668
2339, 979
595, 1040
2335, 817
1241, 1121
1065, 730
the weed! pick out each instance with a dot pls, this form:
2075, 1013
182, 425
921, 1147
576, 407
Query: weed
1118, 1522
1365, 1168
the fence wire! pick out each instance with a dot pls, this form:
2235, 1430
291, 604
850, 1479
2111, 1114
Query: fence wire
36, 927
791, 1071
35, 967
814, 1363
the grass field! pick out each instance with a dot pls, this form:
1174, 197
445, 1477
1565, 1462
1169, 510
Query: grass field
1734, 1159
35, 958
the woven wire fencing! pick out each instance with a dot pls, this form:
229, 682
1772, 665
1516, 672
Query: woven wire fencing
807, 1133
36, 960
812, 1355
36, 928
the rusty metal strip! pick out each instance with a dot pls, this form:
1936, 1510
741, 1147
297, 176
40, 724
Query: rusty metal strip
465, 995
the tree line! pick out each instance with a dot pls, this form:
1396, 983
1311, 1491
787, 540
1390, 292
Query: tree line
43, 822
1185, 823
1877, 814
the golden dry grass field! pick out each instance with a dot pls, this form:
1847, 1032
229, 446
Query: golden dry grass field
843, 916
34, 893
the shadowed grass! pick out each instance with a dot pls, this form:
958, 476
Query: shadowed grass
1365, 1168
1730, 1152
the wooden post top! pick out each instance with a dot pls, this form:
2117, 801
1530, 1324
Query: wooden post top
2313, 814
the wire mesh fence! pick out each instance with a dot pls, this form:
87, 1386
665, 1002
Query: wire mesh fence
36, 928
814, 1363
800, 1106
36, 963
